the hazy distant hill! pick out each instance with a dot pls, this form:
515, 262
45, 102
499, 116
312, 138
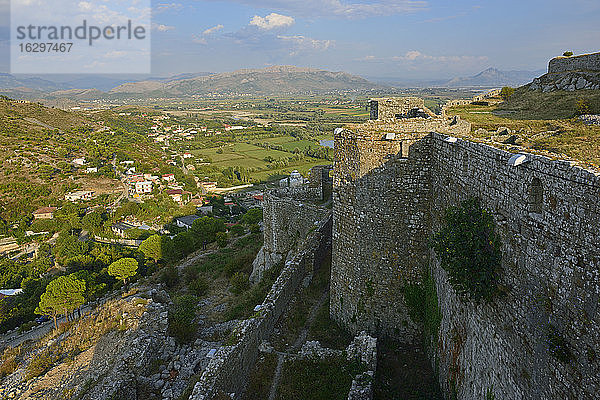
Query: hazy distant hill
8, 81
272, 80
496, 78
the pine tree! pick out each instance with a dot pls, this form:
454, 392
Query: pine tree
63, 294
123, 269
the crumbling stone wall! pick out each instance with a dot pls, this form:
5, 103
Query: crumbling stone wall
584, 62
392, 107
286, 223
229, 369
388, 201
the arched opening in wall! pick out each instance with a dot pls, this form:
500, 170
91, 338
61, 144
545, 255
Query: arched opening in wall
536, 196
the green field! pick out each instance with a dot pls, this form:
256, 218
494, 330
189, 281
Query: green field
246, 155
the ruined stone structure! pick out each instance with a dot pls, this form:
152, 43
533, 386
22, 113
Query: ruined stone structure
398, 107
392, 183
570, 74
584, 62
289, 215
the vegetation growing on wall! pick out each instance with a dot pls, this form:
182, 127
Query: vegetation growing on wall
422, 302
469, 250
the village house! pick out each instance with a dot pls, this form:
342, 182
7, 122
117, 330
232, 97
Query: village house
143, 187
80, 195
121, 228
294, 180
186, 221
175, 194
44, 213
205, 210
91, 170
79, 161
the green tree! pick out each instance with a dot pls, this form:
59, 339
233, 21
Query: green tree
93, 221
153, 248
221, 239
63, 294
205, 229
506, 92
568, 54
123, 269
253, 216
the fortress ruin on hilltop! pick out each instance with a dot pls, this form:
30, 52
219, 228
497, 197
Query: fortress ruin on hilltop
394, 177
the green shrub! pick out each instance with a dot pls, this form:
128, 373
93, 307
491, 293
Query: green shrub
582, 107
221, 239
181, 319
190, 274
199, 286
239, 282
422, 302
469, 250
506, 93
41, 364
237, 230
170, 277
568, 54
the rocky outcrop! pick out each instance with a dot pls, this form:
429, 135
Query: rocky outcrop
567, 81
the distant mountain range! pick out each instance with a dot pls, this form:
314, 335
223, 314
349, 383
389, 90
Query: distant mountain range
272, 80
267, 81
491, 77
495, 77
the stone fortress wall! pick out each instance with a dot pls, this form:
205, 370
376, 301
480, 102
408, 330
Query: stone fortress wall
584, 62
289, 215
389, 197
570, 73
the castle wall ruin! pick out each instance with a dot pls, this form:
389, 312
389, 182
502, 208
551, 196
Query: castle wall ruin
584, 62
390, 196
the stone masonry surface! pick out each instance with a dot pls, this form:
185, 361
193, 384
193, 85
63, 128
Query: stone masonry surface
229, 369
585, 62
390, 196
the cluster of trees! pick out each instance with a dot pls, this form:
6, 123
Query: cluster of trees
68, 293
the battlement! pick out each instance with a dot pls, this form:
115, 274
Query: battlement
584, 62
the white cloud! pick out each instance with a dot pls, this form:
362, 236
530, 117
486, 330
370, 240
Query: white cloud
164, 7
162, 28
272, 21
302, 43
212, 30
199, 40
115, 54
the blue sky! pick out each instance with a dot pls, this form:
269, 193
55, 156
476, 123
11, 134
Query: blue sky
427, 39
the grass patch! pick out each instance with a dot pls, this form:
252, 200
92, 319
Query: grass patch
261, 378
327, 331
559, 136
404, 372
528, 104
317, 380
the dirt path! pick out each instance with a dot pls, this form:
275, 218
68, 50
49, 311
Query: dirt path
297, 344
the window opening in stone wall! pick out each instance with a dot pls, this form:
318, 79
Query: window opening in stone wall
536, 196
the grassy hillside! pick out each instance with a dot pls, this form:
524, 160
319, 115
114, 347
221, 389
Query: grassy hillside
38, 145
561, 137
526, 104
